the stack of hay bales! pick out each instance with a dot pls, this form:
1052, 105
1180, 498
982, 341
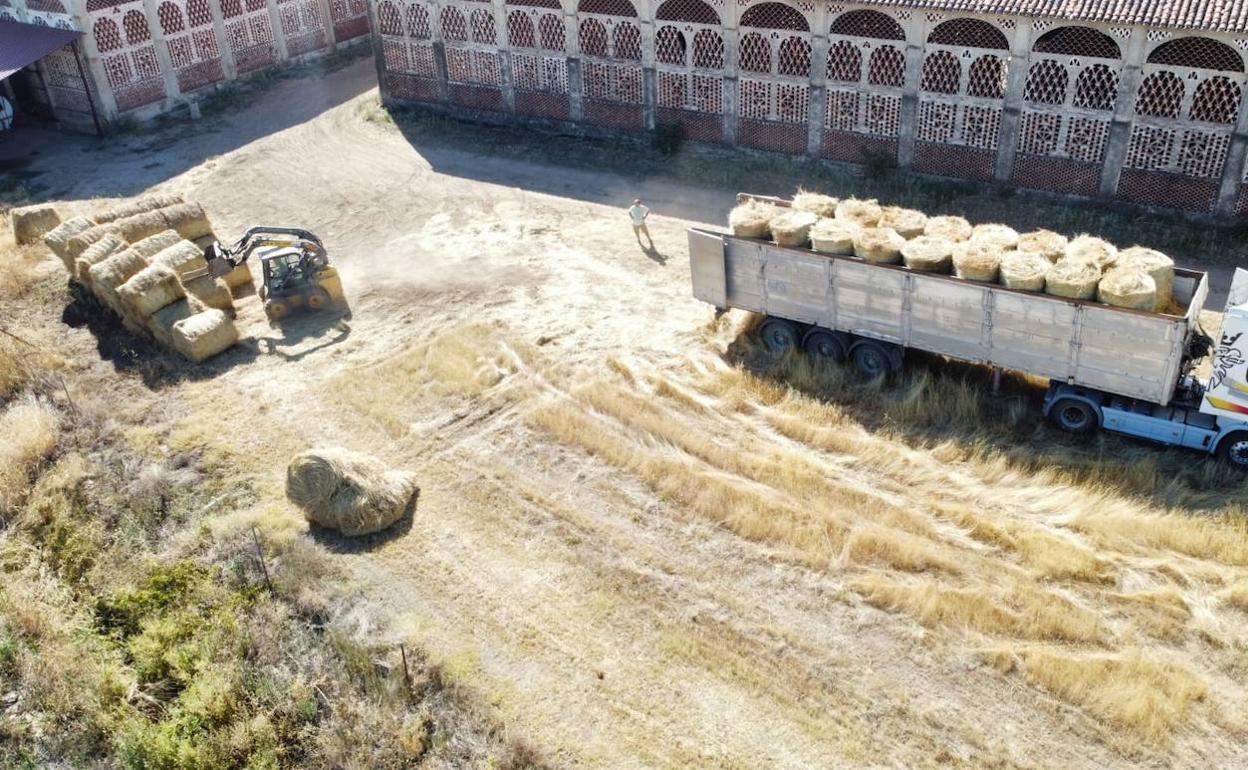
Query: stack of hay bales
929, 253
822, 206
955, 229
977, 261
1050, 245
1025, 271
139, 260
752, 219
879, 245
351, 492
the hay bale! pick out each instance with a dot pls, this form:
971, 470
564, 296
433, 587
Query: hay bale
203, 335
1024, 270
95, 254
150, 289
79, 242
239, 276
879, 245
183, 257
955, 229
863, 213
977, 261
58, 238
30, 223
188, 219
1050, 245
1127, 286
752, 219
140, 226
834, 236
351, 492
792, 228
819, 205
211, 291
928, 253
138, 206
1091, 250
160, 324
152, 245
1004, 238
1073, 279
907, 222
112, 273
1158, 266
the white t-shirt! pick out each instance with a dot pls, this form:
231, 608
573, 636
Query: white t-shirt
638, 214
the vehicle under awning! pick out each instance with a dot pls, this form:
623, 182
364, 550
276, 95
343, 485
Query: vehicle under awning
21, 45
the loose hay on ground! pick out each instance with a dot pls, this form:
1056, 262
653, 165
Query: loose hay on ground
752, 219
815, 203
792, 228
351, 492
860, 212
1073, 279
929, 253
955, 229
879, 245
1126, 286
834, 236
1047, 243
907, 222
977, 261
30, 223
58, 238
1024, 270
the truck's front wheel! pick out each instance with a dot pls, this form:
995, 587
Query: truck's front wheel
1073, 416
1234, 451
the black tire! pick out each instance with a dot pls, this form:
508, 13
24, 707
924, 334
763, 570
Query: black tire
871, 360
824, 347
1073, 416
1233, 450
779, 335
318, 299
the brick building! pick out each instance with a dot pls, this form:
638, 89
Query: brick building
1138, 100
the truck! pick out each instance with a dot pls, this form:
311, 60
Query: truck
1108, 368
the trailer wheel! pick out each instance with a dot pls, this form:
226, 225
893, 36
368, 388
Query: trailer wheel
1073, 416
1233, 450
778, 335
871, 360
824, 347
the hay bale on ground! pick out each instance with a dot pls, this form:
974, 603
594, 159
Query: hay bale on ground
112, 273
907, 222
977, 261
95, 254
863, 213
879, 245
79, 242
819, 205
834, 236
183, 257
204, 334
188, 219
1127, 286
239, 276
211, 291
351, 492
1004, 238
30, 223
150, 289
1158, 266
792, 228
140, 226
1024, 270
161, 323
752, 219
928, 253
1050, 245
58, 238
955, 229
152, 245
137, 206
1092, 250
1073, 279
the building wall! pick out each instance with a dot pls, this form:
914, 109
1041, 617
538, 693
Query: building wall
145, 57
1150, 116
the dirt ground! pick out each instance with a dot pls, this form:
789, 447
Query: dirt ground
502, 314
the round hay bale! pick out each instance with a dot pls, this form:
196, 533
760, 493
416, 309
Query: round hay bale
792, 228
79, 243
1024, 270
1127, 286
815, 203
95, 254
152, 245
955, 229
1073, 279
203, 335
136, 228
752, 219
239, 276
929, 253
137, 206
183, 257
30, 223
351, 492
160, 324
834, 236
113, 272
975, 261
1050, 245
907, 222
1004, 238
188, 219
58, 238
864, 213
1158, 266
150, 289
879, 245
211, 291
1091, 250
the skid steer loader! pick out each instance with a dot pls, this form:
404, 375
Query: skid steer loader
293, 264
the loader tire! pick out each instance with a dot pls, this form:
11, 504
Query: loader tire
276, 309
319, 299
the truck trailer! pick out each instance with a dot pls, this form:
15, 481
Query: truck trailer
1109, 368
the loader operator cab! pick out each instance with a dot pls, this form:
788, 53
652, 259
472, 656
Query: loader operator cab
286, 267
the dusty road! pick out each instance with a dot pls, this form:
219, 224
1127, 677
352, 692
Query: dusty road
639, 554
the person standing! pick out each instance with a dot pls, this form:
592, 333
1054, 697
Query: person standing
637, 213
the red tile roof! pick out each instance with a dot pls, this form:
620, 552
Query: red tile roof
1216, 15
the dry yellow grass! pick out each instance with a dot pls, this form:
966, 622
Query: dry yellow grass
1162, 613
1222, 541
29, 429
1236, 595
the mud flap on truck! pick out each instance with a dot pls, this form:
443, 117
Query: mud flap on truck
706, 268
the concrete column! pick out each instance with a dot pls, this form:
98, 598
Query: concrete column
576, 90
161, 45
93, 65
327, 20
223, 42
818, 79
814, 132
1233, 172
439, 62
649, 97
732, 82
279, 35
1011, 113
507, 80
1124, 113
908, 121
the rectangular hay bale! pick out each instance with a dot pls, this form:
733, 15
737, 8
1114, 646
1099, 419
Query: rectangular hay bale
150, 289
239, 276
95, 254
188, 219
137, 206
183, 257
154, 244
140, 226
79, 243
30, 223
211, 291
58, 238
160, 323
112, 273
204, 335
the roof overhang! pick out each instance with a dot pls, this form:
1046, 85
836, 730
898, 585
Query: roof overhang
22, 44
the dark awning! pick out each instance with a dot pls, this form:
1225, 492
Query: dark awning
21, 44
